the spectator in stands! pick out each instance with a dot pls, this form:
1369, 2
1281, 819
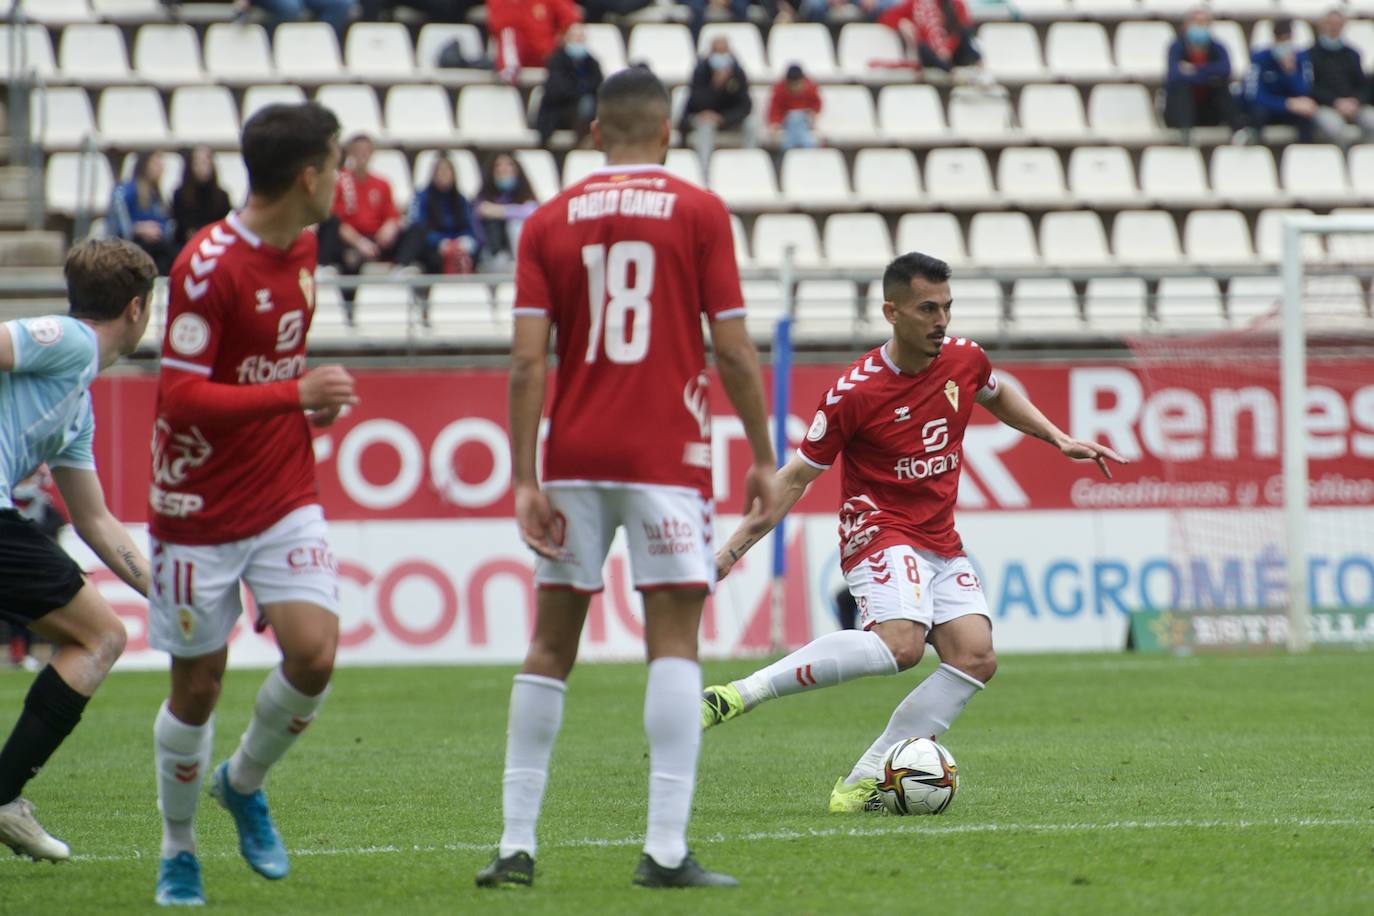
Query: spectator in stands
365, 225
938, 32
443, 235
738, 10
719, 100
431, 10
138, 212
574, 76
1338, 82
1197, 86
334, 12
200, 200
504, 202
527, 31
1279, 87
793, 109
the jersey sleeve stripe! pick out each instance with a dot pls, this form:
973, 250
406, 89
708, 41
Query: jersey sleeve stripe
187, 367
530, 310
71, 463
815, 464
739, 312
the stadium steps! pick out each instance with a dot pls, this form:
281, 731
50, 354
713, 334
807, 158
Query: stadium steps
35, 252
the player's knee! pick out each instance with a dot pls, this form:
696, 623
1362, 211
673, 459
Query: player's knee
980, 665
194, 697
906, 651
310, 671
549, 660
111, 642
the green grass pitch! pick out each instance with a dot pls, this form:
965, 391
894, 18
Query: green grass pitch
1091, 784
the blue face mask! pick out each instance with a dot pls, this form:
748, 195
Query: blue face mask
1329, 43
1199, 35
506, 183
1282, 48
720, 61
576, 51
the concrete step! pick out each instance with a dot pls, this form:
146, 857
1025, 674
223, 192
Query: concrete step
13, 214
32, 249
14, 182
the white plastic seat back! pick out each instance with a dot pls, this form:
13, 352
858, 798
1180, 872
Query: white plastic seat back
1044, 304
1220, 237
1102, 175
773, 232
306, 51
1002, 240
857, 240
238, 53
1146, 237
936, 234
1074, 239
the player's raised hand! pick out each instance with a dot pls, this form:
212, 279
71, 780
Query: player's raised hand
325, 387
539, 524
1082, 450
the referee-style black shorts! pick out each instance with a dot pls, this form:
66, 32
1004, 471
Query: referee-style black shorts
36, 575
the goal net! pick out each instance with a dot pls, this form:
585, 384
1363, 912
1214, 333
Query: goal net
1268, 432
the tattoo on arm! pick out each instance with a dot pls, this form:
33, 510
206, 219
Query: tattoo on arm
130, 561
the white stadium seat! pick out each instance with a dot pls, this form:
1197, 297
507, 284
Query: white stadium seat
1269, 235
1052, 113
1360, 160
75, 182
1315, 174
1108, 9
1146, 238
463, 312
1048, 304
540, 170
306, 52
59, 12
580, 163
434, 37
1248, 9
607, 46
826, 308
1352, 248
379, 52
61, 116
93, 55
132, 116
857, 240
1032, 176
1332, 298
238, 53
256, 98
1011, 51
763, 306
746, 44
1231, 36
911, 115
1142, 49
1359, 34
867, 51
1217, 238
744, 178
1042, 10
32, 52
356, 108
887, 179
1102, 176
1079, 51
493, 116
685, 164
168, 55
978, 307
1002, 240
417, 115
204, 114
1074, 239
1115, 304
847, 115
773, 232
129, 10
808, 44
1122, 113
935, 234
816, 179
741, 238
959, 177
1174, 176
393, 165
1249, 298
980, 116
1186, 303
1245, 175
383, 312
233, 177
667, 47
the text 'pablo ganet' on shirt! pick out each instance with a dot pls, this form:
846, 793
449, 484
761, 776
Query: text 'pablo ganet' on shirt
631, 197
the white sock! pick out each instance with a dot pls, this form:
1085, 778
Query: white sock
536, 714
280, 715
926, 712
182, 758
824, 662
672, 720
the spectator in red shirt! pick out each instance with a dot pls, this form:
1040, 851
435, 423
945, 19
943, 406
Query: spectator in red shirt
793, 109
365, 224
940, 32
527, 31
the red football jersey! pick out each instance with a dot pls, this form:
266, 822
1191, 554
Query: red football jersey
364, 204
902, 437
625, 263
238, 315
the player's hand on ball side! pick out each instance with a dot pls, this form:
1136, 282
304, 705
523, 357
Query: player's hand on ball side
540, 526
326, 417
325, 387
1100, 454
760, 494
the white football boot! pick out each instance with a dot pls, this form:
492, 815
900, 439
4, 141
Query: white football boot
20, 832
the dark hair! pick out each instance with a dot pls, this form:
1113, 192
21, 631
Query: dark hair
192, 189
154, 192
104, 275
631, 106
523, 192
1283, 26
433, 216
281, 140
898, 275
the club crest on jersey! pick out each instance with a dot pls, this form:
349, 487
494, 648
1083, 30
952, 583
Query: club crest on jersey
902, 414
264, 297
952, 393
186, 621
307, 281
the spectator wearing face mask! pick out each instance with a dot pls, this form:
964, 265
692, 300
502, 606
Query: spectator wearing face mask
504, 202
719, 101
1279, 87
1338, 83
574, 76
1197, 87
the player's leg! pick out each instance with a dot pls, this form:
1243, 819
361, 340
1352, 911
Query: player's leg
89, 639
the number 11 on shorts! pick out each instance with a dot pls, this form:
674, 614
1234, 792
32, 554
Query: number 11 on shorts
628, 306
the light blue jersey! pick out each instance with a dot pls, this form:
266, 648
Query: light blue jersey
45, 400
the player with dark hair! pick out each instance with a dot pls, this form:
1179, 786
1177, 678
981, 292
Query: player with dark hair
898, 415
625, 263
234, 497
46, 368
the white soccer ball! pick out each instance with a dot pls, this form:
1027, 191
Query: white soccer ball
919, 777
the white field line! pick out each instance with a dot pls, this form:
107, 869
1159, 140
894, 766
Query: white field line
915, 830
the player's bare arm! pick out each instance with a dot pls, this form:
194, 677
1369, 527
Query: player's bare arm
6, 350
95, 525
738, 364
324, 392
528, 368
789, 485
1016, 410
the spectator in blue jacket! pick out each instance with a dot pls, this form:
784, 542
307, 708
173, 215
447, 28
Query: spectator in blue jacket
1279, 88
1197, 87
138, 212
444, 237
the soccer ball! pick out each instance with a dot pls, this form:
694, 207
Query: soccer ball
919, 777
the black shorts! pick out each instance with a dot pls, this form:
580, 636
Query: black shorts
36, 575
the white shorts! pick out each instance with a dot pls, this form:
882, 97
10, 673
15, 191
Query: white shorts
669, 530
903, 583
196, 599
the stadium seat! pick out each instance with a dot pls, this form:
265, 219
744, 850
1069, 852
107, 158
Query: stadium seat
379, 52
1115, 304
579, 163
1230, 35
434, 37
233, 177
306, 52
1351, 248
816, 179
826, 308
976, 116
1146, 238
607, 45
1245, 176
808, 44
541, 170
1187, 303
685, 164
204, 114
1051, 114
1174, 176
960, 177
977, 310
857, 240
1102, 176
911, 115
59, 12
1011, 51
61, 116
1032, 177
493, 116
464, 163
1043, 10
745, 43
32, 52
255, 98
887, 179
356, 107
1142, 49
1002, 240
238, 53
1079, 51
93, 55
1360, 160
1359, 34
744, 178
1107, 9
1269, 236
72, 183
1315, 174
1218, 238
419, 115
667, 46
383, 312
1040, 305
129, 10
847, 116
1251, 298
1122, 113
868, 51
936, 234
393, 165
168, 55
763, 305
462, 313
1074, 239
132, 117
742, 256
773, 232
1334, 298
